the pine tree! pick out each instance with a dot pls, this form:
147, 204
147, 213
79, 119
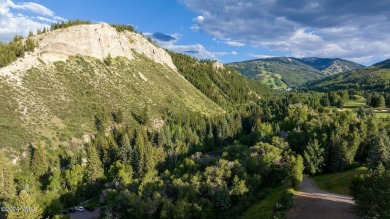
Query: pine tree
126, 151
94, 170
7, 185
74, 176
139, 151
28, 207
30, 45
379, 152
39, 164
210, 141
314, 157
55, 181
108, 60
144, 117
222, 200
112, 152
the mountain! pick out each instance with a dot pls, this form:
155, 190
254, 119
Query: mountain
331, 66
283, 72
78, 72
373, 78
383, 64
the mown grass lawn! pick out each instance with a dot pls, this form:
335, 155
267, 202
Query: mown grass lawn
338, 182
355, 103
382, 115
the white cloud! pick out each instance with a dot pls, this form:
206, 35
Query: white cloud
31, 6
234, 43
323, 28
197, 50
260, 56
199, 19
234, 53
12, 22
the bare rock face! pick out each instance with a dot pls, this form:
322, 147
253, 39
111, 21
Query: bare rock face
94, 40
98, 41
218, 65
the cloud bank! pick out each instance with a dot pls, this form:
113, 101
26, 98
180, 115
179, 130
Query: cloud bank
19, 19
357, 30
170, 42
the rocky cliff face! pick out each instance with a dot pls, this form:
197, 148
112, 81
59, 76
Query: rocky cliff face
96, 40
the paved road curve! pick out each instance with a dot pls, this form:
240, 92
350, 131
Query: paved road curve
313, 203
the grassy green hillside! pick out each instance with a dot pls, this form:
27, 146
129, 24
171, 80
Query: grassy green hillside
370, 79
58, 101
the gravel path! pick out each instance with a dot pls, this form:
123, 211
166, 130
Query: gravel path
86, 214
311, 202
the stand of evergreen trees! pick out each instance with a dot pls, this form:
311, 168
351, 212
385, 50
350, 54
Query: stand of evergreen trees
224, 86
68, 23
15, 49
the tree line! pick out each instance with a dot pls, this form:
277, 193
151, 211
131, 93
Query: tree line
16, 48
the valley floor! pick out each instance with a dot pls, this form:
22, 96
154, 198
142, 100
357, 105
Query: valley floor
311, 202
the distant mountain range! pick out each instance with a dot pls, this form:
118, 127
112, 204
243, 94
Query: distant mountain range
372, 78
283, 72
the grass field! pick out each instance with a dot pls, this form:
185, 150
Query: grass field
353, 106
338, 182
265, 208
382, 115
355, 103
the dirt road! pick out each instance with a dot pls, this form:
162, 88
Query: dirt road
313, 203
85, 214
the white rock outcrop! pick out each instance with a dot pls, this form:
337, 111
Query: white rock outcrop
94, 40
218, 65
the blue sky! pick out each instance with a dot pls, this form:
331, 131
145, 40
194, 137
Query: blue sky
228, 30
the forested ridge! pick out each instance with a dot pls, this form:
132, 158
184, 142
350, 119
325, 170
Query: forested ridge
224, 85
15, 49
373, 78
197, 165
